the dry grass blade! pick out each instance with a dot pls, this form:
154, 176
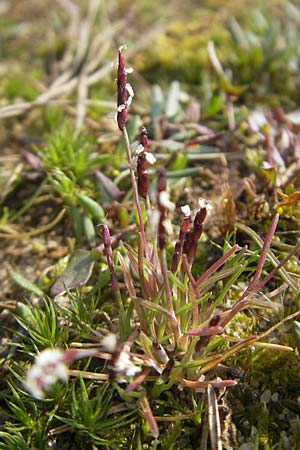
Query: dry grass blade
213, 420
236, 348
88, 60
36, 231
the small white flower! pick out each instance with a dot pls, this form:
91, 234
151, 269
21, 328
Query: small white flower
164, 200
125, 366
257, 120
203, 203
186, 210
49, 367
137, 149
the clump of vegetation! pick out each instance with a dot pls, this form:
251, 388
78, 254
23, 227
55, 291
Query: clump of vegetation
167, 316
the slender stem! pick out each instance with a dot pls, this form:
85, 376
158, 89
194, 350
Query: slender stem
173, 322
166, 281
264, 252
135, 191
284, 274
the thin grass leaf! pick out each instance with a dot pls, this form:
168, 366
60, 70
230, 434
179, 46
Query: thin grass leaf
272, 258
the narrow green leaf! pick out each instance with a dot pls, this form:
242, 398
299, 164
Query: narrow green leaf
91, 207
25, 283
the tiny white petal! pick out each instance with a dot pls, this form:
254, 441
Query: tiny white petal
150, 158
139, 149
61, 372
49, 357
128, 102
133, 162
184, 97
122, 47
164, 200
186, 210
266, 165
121, 107
33, 381
134, 145
132, 369
109, 342
168, 226
203, 203
285, 140
257, 120
121, 363
124, 364
278, 160
129, 89
129, 70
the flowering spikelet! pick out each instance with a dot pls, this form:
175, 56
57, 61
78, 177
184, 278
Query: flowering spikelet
123, 88
192, 236
142, 172
122, 93
103, 231
182, 233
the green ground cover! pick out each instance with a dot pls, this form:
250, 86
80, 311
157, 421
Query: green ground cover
169, 328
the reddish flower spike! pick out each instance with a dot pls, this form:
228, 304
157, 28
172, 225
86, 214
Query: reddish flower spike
122, 113
192, 237
142, 172
179, 244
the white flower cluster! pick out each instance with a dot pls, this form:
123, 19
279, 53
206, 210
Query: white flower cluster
136, 150
122, 364
49, 366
